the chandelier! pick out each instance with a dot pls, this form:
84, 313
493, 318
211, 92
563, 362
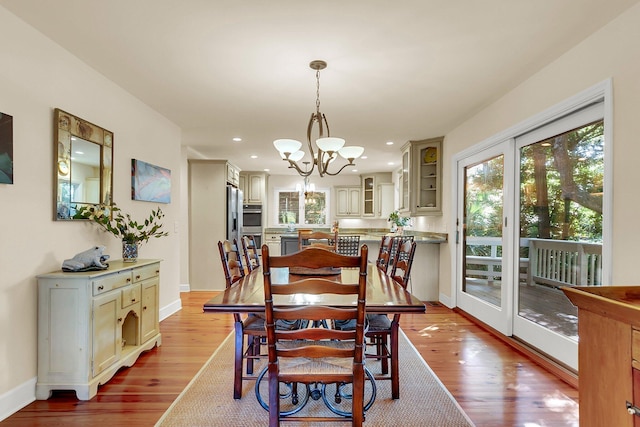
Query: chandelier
327, 147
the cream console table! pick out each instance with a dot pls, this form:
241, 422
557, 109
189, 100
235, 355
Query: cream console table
91, 324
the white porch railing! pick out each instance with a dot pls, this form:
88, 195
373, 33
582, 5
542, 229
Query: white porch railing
551, 262
565, 263
489, 267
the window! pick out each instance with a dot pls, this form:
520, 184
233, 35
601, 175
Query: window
297, 208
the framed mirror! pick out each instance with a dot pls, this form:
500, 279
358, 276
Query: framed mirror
83, 168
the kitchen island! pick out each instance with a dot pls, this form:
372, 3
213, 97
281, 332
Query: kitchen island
424, 282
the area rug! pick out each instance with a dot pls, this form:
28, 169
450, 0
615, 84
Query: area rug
208, 399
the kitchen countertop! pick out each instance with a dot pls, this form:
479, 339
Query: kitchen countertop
370, 235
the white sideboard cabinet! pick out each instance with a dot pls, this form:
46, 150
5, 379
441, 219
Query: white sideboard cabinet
90, 324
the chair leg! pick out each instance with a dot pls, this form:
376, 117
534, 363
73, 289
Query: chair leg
383, 352
251, 351
239, 350
395, 366
357, 408
274, 396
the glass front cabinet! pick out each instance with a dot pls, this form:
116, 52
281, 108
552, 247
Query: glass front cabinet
421, 179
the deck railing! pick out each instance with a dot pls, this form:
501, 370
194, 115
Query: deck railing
565, 263
550, 262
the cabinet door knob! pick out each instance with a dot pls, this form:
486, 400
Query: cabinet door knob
100, 287
128, 279
138, 277
133, 300
144, 308
119, 319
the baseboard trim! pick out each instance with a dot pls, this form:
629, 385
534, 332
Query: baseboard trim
562, 372
170, 309
17, 398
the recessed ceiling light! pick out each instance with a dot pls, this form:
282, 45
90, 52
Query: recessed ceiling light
237, 139
354, 170
254, 156
390, 163
389, 143
266, 170
363, 157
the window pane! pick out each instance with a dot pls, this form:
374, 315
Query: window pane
315, 208
288, 207
561, 193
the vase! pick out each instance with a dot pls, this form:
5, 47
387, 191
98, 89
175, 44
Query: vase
129, 252
400, 230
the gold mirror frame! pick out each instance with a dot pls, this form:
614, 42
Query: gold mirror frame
83, 165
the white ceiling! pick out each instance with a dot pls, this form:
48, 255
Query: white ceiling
396, 71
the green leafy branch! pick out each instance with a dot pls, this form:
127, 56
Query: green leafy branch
121, 225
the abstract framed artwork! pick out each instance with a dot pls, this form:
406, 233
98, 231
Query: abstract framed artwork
6, 149
150, 183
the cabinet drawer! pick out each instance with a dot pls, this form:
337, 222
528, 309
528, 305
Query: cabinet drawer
130, 296
112, 281
146, 272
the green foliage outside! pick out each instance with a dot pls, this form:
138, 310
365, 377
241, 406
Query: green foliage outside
561, 189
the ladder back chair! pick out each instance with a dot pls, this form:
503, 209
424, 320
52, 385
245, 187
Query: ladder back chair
317, 239
316, 354
384, 255
383, 331
348, 245
250, 326
397, 242
251, 253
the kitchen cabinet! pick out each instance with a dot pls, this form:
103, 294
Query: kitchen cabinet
608, 354
348, 201
421, 179
233, 174
91, 324
253, 186
373, 204
385, 195
368, 196
273, 241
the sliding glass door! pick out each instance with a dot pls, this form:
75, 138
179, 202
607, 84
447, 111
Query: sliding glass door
529, 222
483, 290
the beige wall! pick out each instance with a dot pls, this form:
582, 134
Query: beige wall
612, 53
37, 76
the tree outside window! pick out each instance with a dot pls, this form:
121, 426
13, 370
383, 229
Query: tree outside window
300, 209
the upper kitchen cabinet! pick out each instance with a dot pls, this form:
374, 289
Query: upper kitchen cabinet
377, 199
348, 201
420, 181
233, 175
253, 186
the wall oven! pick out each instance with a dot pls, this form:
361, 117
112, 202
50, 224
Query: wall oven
252, 222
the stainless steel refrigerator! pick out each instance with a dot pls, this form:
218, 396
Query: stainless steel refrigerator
234, 213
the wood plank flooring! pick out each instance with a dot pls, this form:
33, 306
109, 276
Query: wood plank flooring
494, 384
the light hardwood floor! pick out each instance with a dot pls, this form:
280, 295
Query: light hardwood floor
494, 384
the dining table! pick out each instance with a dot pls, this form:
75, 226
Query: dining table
384, 295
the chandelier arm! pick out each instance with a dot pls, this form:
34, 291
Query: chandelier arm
326, 172
294, 165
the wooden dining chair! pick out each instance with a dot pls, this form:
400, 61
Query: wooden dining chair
384, 255
251, 326
315, 354
348, 244
317, 239
383, 331
250, 252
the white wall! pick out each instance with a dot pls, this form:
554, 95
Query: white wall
37, 76
611, 52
